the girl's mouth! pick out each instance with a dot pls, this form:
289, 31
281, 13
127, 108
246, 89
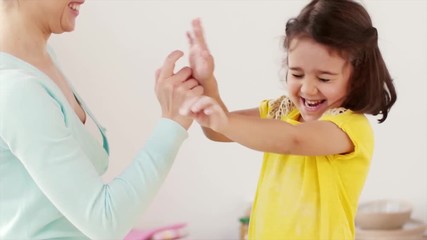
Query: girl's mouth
312, 105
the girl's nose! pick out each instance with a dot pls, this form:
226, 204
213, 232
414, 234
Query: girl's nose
308, 87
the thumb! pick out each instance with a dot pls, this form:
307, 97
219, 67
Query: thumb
157, 75
185, 108
169, 64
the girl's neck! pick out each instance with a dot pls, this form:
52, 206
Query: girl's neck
22, 37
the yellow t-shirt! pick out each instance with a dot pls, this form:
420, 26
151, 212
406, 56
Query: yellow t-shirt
311, 197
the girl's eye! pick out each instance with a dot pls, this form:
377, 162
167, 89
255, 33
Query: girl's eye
297, 75
324, 79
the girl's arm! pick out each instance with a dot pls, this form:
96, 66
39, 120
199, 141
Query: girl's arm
202, 64
268, 135
246, 127
218, 137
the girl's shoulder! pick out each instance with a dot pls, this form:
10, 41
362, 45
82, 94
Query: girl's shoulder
277, 108
342, 113
336, 111
347, 119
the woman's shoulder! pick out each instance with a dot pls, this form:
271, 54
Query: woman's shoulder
23, 87
20, 76
14, 81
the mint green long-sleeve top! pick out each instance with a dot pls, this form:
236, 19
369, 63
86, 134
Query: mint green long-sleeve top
51, 166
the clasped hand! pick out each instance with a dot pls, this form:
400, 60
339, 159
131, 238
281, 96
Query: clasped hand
181, 94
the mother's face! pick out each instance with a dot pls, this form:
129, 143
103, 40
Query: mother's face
53, 16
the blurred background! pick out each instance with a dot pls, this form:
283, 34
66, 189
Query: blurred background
112, 55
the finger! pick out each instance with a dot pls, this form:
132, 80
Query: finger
190, 39
189, 84
186, 106
198, 34
157, 74
209, 110
198, 90
182, 75
169, 64
191, 115
202, 103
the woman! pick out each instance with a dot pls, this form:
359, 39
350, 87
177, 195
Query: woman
50, 165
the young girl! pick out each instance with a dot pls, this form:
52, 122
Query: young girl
317, 141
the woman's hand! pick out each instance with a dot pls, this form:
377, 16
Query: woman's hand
172, 89
200, 59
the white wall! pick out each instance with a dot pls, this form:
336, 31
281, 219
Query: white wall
117, 46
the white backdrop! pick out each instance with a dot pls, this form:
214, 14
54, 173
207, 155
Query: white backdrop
117, 46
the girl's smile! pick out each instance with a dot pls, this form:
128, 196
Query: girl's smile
317, 79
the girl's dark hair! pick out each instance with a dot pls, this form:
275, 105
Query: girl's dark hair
345, 26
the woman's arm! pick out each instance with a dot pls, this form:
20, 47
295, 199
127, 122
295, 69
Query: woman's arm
34, 125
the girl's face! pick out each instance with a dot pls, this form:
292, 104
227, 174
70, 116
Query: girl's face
317, 79
53, 16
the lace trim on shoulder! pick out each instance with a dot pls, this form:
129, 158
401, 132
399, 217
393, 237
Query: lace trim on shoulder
335, 111
279, 107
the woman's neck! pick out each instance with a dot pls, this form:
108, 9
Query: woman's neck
21, 36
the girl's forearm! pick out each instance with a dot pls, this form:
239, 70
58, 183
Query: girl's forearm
211, 89
266, 135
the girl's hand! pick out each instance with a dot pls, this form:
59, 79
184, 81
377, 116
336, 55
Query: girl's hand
200, 59
206, 111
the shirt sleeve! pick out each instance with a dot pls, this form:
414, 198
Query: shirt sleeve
357, 128
33, 125
263, 108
